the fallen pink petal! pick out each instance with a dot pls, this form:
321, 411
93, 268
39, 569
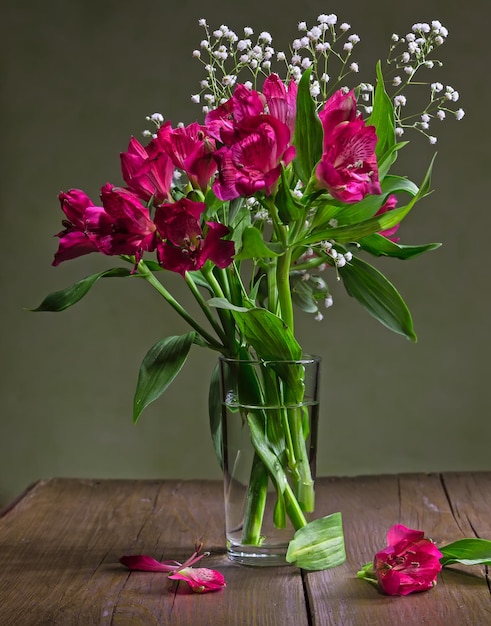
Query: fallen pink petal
200, 579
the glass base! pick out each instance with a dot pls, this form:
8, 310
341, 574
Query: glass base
258, 556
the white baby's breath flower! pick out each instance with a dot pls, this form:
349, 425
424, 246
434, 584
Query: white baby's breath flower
281, 56
344, 27
202, 22
354, 67
432, 140
348, 46
266, 37
315, 89
196, 54
314, 33
302, 26
306, 63
195, 98
248, 31
441, 114
459, 114
396, 81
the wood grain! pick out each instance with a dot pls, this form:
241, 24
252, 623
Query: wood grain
60, 544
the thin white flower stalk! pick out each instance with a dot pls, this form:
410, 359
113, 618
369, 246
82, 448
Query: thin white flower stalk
225, 56
410, 55
325, 49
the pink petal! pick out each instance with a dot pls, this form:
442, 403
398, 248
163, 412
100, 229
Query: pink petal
398, 533
144, 563
200, 579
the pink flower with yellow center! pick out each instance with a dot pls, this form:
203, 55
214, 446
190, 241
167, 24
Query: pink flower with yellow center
348, 167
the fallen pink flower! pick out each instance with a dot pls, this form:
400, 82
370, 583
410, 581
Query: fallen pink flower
410, 563
200, 579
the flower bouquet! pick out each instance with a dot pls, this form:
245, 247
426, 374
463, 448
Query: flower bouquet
284, 185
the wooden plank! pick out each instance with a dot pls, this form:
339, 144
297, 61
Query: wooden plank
60, 544
370, 505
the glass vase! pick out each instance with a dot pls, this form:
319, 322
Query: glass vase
269, 437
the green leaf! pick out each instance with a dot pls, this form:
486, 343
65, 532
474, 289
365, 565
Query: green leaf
223, 303
268, 457
318, 545
467, 551
65, 298
159, 367
267, 334
378, 245
287, 208
215, 413
379, 296
253, 246
308, 131
382, 118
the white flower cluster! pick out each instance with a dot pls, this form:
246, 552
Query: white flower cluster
157, 120
326, 50
410, 54
340, 259
225, 55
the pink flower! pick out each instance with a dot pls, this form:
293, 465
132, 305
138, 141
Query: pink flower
253, 162
76, 240
192, 150
348, 167
281, 100
200, 579
390, 204
148, 170
223, 121
409, 564
124, 227
184, 246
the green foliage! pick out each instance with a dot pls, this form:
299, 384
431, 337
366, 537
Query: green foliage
160, 366
60, 300
308, 131
473, 551
318, 545
378, 296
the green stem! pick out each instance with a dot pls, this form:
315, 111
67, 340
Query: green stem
255, 503
149, 277
225, 316
284, 291
204, 307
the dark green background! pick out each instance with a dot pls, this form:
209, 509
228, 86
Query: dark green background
78, 78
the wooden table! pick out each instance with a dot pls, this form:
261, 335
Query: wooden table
60, 543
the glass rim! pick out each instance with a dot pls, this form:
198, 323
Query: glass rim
306, 359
